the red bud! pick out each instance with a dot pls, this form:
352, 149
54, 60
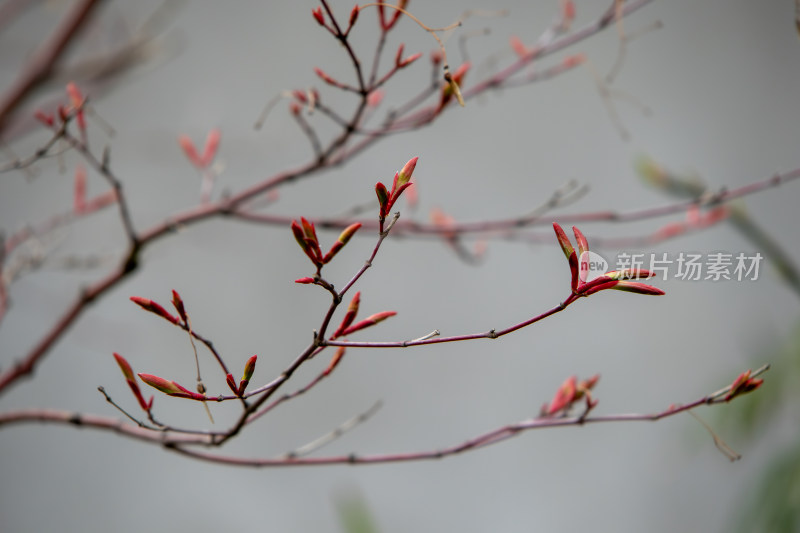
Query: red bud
583, 245
396, 15
344, 237
410, 59
398, 57
177, 302
408, 169
563, 240
637, 287
327, 79
353, 15
45, 118
153, 307
249, 368
170, 387
370, 321
317, 13
564, 397
77, 99
337, 357
383, 198
127, 371
742, 385
352, 311
232, 383
305, 235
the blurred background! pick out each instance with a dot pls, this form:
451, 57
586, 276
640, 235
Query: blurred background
711, 94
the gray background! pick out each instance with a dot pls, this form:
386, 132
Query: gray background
721, 78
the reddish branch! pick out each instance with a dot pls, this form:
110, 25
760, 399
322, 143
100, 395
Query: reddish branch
180, 443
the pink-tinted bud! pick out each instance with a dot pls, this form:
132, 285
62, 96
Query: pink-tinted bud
563, 240
127, 371
574, 60
79, 195
410, 59
231, 383
327, 79
369, 321
670, 230
569, 252
596, 285
153, 307
520, 49
348, 232
310, 233
45, 118
297, 231
588, 384
564, 397
191, 152
742, 385
383, 198
629, 273
412, 196
638, 287
715, 215
408, 169
75, 95
381, 18
305, 281
77, 100
341, 241
212, 144
177, 302
300, 96
164, 385
305, 236
375, 97
337, 357
396, 15
567, 11
398, 57
583, 245
102, 200
249, 368
170, 387
350, 315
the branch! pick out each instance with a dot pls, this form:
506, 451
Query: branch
177, 443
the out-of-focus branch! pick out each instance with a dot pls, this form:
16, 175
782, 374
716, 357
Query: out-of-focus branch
43, 62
